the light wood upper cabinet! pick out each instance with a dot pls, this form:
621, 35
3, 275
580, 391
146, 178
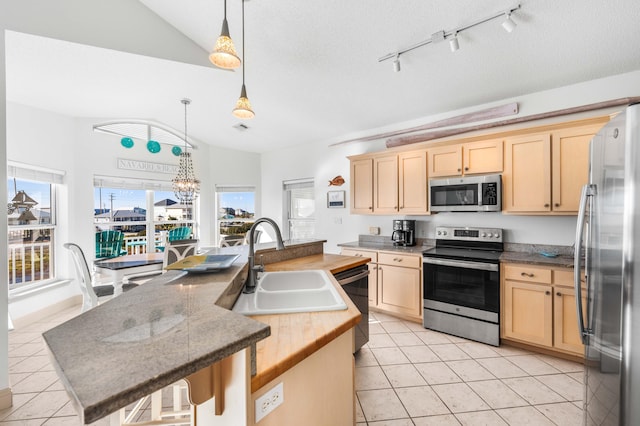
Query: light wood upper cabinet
390, 184
527, 174
385, 184
362, 186
466, 159
412, 183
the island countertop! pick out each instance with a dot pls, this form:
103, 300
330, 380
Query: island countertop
177, 324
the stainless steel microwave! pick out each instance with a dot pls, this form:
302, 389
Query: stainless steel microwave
466, 194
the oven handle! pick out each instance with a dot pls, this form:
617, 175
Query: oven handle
461, 264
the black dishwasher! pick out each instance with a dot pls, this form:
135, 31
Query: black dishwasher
355, 282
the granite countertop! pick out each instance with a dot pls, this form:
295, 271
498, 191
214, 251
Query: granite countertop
386, 246
564, 261
169, 328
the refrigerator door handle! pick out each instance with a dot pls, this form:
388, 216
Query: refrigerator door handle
587, 191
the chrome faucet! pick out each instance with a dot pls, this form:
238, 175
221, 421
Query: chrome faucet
250, 285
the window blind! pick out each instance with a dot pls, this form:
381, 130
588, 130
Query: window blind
34, 173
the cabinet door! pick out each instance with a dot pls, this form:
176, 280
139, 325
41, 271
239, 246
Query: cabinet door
527, 174
528, 312
385, 184
399, 290
445, 161
362, 186
412, 182
482, 157
570, 154
565, 320
373, 284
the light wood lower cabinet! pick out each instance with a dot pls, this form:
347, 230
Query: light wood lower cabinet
395, 282
538, 307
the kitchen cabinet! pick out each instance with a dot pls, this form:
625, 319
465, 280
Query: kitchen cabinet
544, 172
390, 183
538, 307
466, 159
395, 282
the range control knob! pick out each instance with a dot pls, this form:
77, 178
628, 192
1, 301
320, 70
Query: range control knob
439, 232
484, 234
444, 232
496, 235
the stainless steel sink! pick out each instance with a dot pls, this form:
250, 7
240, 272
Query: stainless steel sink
289, 292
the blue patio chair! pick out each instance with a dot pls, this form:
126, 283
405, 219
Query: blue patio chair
109, 244
177, 234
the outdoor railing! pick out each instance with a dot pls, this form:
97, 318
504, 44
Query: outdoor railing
29, 262
138, 245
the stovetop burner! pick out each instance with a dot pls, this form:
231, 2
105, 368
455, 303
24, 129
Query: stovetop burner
474, 244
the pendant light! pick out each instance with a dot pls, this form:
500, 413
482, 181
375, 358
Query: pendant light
185, 184
243, 106
224, 53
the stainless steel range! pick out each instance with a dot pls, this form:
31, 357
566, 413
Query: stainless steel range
462, 283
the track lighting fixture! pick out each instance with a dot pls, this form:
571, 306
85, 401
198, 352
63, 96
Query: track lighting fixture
453, 43
396, 64
508, 24
452, 35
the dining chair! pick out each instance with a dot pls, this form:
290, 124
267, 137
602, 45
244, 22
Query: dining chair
90, 293
178, 250
177, 234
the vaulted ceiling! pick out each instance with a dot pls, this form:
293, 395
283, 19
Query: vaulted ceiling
312, 69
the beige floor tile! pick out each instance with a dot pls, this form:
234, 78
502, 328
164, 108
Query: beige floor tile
565, 386
501, 367
400, 422
432, 337
387, 356
565, 413
43, 405
436, 373
497, 394
18, 401
578, 377
469, 370
478, 350
449, 352
359, 414
371, 378
28, 349
15, 378
17, 337
380, 341
459, 398
66, 410
528, 416
381, 317
562, 365
456, 339
403, 375
376, 328
421, 401
418, 354
480, 418
395, 327
382, 404
406, 339
63, 421
446, 420
414, 326
532, 365
506, 350
32, 422
35, 382
30, 364
364, 357
532, 390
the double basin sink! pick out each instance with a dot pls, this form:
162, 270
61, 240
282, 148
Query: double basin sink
289, 292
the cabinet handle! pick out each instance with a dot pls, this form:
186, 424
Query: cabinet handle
546, 205
370, 208
524, 274
395, 259
556, 205
459, 170
558, 294
466, 169
547, 292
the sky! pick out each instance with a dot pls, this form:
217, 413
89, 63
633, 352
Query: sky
38, 191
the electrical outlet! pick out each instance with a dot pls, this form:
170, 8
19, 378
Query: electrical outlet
269, 401
374, 230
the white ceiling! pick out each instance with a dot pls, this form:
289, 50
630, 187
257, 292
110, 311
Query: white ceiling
312, 66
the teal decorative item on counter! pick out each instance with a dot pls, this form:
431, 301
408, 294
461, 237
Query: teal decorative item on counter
126, 142
153, 147
176, 150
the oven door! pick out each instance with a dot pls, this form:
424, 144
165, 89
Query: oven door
467, 287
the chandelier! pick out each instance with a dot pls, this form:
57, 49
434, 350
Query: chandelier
185, 184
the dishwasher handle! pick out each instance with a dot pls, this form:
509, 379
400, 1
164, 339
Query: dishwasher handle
351, 279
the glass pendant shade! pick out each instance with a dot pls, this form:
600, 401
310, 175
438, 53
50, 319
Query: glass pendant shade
224, 53
243, 106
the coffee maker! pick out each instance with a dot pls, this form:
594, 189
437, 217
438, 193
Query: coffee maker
404, 233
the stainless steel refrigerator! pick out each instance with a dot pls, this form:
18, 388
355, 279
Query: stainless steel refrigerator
608, 239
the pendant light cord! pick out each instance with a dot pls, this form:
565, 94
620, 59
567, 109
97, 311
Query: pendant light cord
243, 64
185, 102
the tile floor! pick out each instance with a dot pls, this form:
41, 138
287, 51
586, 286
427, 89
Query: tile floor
405, 375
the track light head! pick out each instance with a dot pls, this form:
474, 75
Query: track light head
508, 24
453, 43
396, 64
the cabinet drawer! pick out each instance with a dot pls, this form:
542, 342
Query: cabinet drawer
564, 277
404, 260
527, 273
361, 253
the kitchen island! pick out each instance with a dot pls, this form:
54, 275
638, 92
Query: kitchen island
178, 325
